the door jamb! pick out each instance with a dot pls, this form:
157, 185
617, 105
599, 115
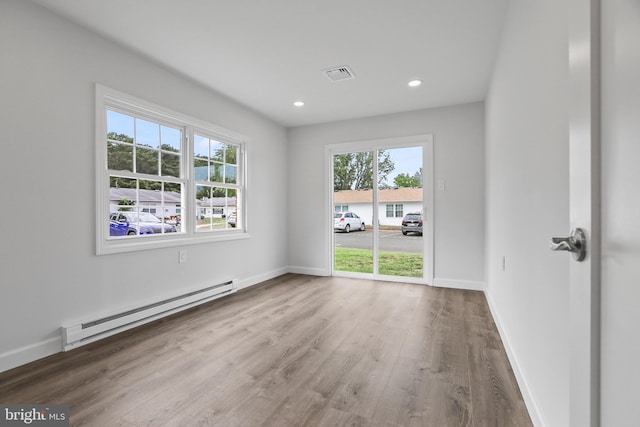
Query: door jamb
584, 167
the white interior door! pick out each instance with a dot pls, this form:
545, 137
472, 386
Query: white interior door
605, 183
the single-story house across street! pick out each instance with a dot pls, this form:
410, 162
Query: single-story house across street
393, 204
168, 204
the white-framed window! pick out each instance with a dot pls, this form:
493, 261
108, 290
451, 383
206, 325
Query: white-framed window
389, 212
341, 208
394, 210
163, 178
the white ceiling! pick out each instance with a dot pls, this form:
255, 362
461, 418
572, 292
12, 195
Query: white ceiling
266, 54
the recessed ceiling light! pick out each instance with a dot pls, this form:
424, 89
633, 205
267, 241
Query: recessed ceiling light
415, 83
299, 103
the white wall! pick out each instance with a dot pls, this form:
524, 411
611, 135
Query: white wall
407, 207
50, 273
620, 317
527, 183
458, 134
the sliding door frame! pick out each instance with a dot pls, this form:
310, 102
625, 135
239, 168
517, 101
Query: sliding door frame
426, 141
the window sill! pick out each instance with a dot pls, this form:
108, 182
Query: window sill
108, 247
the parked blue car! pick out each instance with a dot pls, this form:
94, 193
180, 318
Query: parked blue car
133, 223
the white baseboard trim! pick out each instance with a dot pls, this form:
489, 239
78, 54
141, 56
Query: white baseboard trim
530, 402
259, 278
458, 284
23, 355
309, 271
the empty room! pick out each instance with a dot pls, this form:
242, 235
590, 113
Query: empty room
301, 213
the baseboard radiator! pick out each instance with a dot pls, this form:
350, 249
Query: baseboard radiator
81, 333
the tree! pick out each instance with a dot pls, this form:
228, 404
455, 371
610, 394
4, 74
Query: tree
224, 159
354, 171
124, 204
120, 157
206, 192
406, 180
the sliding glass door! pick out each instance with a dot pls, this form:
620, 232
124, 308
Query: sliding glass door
400, 213
353, 212
381, 225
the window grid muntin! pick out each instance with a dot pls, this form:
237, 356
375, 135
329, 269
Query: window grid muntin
215, 160
159, 150
163, 204
207, 210
134, 174
217, 150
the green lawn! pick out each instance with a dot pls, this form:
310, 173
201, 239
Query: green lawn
391, 263
217, 222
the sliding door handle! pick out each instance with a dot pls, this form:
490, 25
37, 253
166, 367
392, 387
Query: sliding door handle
576, 244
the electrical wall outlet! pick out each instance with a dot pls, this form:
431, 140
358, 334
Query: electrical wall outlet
182, 256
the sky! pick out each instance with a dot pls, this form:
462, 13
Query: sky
407, 160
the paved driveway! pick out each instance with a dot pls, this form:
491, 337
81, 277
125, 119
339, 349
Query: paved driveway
390, 240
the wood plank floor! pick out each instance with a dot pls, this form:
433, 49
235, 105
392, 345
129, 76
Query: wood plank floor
294, 351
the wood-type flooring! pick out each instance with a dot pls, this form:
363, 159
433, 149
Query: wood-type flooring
293, 351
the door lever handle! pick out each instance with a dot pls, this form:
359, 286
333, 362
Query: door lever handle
576, 244
561, 244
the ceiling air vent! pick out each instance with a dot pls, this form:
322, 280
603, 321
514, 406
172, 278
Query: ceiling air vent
338, 74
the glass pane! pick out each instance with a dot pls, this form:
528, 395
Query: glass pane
216, 209
201, 146
119, 182
172, 207
400, 211
146, 160
200, 169
170, 139
231, 155
119, 126
170, 164
218, 150
122, 198
353, 186
220, 205
204, 209
216, 172
233, 220
230, 174
172, 186
119, 157
147, 133
151, 186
